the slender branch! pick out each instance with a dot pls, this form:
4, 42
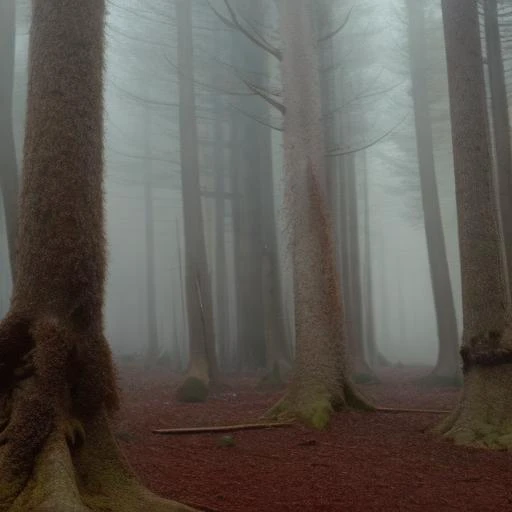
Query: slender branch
335, 32
366, 146
266, 97
235, 24
255, 118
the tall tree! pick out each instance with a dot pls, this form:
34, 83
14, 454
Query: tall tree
320, 383
447, 369
202, 368
149, 232
483, 416
8, 166
58, 383
501, 126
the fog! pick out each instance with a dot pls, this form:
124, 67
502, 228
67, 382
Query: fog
145, 293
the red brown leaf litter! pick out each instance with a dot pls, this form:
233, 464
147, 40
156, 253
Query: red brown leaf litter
363, 462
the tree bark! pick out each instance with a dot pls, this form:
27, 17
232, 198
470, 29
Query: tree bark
8, 166
320, 383
58, 382
484, 414
501, 127
203, 361
447, 370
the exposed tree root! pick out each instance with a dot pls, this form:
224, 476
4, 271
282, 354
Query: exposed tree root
315, 408
483, 417
222, 428
57, 453
88, 476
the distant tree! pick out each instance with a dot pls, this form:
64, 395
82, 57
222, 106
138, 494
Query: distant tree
483, 416
8, 166
447, 369
149, 232
57, 384
202, 368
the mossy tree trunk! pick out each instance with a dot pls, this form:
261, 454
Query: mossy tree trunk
320, 383
8, 166
447, 370
57, 384
484, 414
202, 368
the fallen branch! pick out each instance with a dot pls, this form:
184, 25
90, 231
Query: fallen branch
221, 428
425, 411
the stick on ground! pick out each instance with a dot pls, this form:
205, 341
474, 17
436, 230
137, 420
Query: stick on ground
220, 428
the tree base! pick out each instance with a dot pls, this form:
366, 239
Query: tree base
83, 473
483, 417
273, 380
315, 408
193, 390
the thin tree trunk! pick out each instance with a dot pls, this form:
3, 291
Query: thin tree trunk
203, 362
501, 127
371, 344
222, 313
8, 166
447, 369
360, 367
153, 345
483, 416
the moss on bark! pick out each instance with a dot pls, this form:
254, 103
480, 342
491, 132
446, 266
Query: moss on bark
315, 406
483, 417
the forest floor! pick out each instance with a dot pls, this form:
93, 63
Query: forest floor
371, 462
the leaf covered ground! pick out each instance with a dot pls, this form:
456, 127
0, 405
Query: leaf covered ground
365, 462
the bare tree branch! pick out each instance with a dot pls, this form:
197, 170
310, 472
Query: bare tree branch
341, 152
235, 24
256, 118
266, 97
335, 32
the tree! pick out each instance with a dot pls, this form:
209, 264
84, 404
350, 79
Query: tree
58, 382
483, 416
447, 368
8, 165
320, 383
501, 126
203, 362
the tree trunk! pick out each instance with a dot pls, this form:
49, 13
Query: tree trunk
369, 319
320, 383
484, 414
447, 370
362, 371
57, 452
501, 127
8, 165
203, 362
222, 318
152, 347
